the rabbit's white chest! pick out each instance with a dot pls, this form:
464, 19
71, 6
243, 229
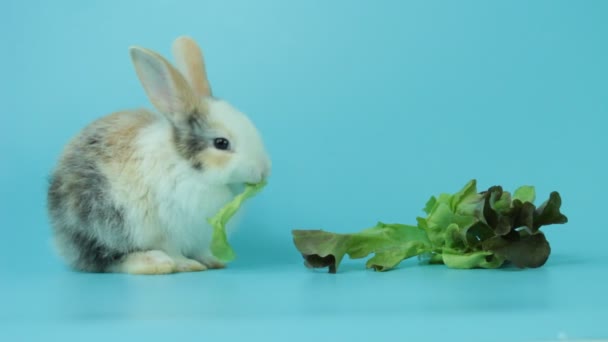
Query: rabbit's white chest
184, 206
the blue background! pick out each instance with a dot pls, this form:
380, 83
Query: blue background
367, 108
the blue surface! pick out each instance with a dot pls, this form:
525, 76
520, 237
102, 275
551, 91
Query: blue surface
368, 108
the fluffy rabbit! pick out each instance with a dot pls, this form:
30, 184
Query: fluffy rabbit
132, 192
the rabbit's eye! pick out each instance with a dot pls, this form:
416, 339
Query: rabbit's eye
221, 143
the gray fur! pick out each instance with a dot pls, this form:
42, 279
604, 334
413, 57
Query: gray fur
190, 140
89, 228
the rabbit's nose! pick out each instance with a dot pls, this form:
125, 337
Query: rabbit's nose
265, 173
267, 170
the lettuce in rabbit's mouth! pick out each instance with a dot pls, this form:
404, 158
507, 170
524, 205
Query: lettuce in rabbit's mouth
220, 248
464, 230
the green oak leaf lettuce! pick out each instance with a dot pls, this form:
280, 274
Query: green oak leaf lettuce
464, 230
391, 243
219, 240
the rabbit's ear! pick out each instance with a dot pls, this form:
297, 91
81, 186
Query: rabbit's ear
189, 60
165, 86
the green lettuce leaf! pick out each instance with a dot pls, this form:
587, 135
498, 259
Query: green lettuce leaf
391, 244
479, 259
467, 229
219, 240
525, 194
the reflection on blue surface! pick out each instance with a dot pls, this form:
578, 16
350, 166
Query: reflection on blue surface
367, 108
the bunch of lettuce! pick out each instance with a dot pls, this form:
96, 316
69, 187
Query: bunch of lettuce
465, 230
220, 248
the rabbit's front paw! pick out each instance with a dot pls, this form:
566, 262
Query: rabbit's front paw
211, 262
188, 265
148, 262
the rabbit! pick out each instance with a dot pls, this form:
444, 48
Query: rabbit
132, 192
